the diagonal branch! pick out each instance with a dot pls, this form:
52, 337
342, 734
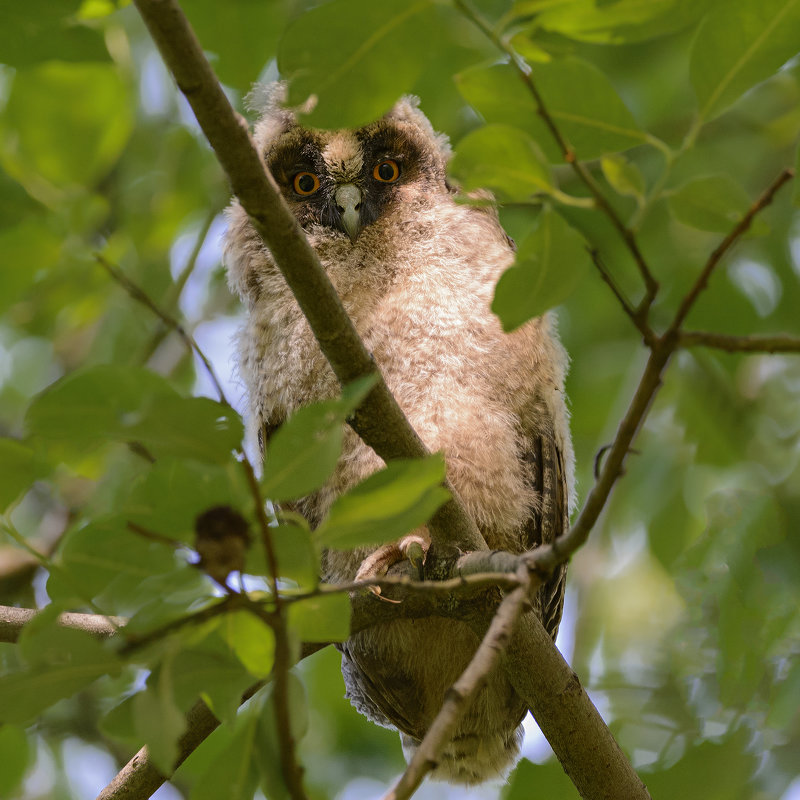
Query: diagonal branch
138, 294
379, 421
725, 245
458, 698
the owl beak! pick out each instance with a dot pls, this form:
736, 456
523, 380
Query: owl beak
348, 203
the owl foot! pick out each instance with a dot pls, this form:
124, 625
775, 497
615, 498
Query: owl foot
412, 548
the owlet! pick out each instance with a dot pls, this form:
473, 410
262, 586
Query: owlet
416, 271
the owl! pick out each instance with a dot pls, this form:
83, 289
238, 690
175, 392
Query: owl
416, 271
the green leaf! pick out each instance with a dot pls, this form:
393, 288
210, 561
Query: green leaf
14, 759
623, 176
105, 551
796, 181
67, 123
295, 553
39, 30
739, 44
268, 758
549, 779
242, 35
27, 252
550, 264
303, 453
252, 640
321, 619
619, 22
711, 770
580, 98
232, 772
158, 720
389, 503
175, 491
60, 662
712, 203
357, 57
503, 159
19, 468
212, 670
122, 403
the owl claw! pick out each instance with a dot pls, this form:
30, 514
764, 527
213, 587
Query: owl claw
412, 547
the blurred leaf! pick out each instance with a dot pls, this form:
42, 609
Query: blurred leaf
232, 773
303, 453
67, 123
546, 781
126, 403
713, 203
209, 669
381, 48
619, 22
785, 705
159, 721
26, 251
60, 662
321, 619
295, 553
267, 751
550, 264
389, 503
713, 771
14, 759
39, 30
251, 639
242, 34
503, 159
796, 181
94, 555
19, 468
739, 44
580, 98
624, 176
175, 491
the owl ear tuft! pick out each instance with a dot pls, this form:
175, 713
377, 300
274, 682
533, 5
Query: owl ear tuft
407, 110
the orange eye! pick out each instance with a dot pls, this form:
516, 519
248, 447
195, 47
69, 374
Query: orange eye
387, 171
305, 183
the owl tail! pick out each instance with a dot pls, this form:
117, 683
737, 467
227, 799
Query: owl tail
472, 758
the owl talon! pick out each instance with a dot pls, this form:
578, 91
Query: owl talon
412, 548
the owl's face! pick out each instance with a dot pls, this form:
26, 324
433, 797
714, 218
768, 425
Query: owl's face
344, 181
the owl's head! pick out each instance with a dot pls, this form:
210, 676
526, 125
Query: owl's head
345, 180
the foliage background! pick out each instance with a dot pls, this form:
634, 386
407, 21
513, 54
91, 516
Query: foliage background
682, 609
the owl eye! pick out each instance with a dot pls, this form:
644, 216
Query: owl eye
387, 171
305, 183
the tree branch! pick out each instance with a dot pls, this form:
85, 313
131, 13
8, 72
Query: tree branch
713, 260
740, 344
379, 421
142, 297
459, 697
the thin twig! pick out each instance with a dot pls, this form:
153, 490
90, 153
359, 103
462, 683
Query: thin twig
637, 317
175, 290
713, 260
459, 697
291, 768
569, 155
740, 344
136, 642
138, 294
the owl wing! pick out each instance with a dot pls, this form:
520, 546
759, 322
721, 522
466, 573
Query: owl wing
550, 520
